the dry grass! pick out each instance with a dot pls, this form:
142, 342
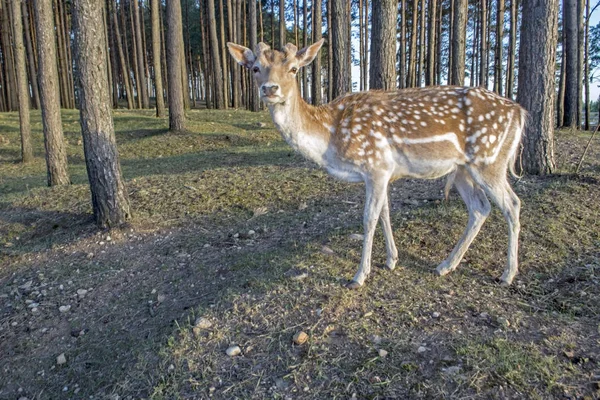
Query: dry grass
188, 253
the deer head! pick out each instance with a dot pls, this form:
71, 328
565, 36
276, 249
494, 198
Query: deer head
275, 71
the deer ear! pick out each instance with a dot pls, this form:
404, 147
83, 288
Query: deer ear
243, 55
308, 54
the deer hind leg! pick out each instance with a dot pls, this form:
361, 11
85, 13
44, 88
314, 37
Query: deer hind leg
495, 184
390, 246
478, 207
376, 196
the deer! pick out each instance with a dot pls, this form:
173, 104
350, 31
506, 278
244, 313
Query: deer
469, 134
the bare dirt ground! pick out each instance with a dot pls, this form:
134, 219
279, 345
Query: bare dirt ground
235, 240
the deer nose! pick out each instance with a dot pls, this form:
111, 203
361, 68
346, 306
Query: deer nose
270, 90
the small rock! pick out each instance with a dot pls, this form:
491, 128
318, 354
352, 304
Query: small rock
26, 285
300, 337
455, 369
421, 349
171, 368
64, 309
300, 277
368, 314
251, 232
108, 238
302, 206
484, 315
382, 353
90, 255
61, 287
376, 339
161, 298
327, 250
81, 292
503, 322
202, 323
61, 359
233, 351
33, 305
436, 314
356, 236
261, 124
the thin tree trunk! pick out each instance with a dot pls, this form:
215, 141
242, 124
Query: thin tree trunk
174, 50
304, 44
224, 58
22, 83
412, 58
431, 43
475, 46
109, 196
317, 94
233, 67
536, 83
580, 48
142, 87
422, 46
512, 45
282, 28
30, 56
361, 48
127, 55
113, 56
216, 62
499, 45
586, 66
402, 66
108, 64
366, 47
134, 51
330, 53
260, 22
156, 59
483, 72
54, 142
571, 51
254, 101
122, 60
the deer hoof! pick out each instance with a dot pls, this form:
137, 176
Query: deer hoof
353, 285
506, 280
443, 269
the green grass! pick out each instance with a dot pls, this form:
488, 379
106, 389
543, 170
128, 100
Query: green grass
187, 253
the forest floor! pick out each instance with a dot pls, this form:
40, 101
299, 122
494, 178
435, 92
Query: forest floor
231, 226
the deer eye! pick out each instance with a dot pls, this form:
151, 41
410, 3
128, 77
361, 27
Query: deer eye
256, 70
294, 70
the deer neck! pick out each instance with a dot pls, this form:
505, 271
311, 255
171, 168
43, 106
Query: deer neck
304, 127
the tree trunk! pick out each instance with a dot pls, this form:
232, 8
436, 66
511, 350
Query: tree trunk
317, 94
56, 153
586, 66
282, 29
366, 47
160, 102
483, 66
330, 53
458, 43
536, 83
136, 70
431, 43
30, 56
422, 46
22, 83
412, 58
174, 50
304, 44
341, 52
8, 58
260, 21
109, 195
382, 73
498, 52
580, 46
570, 49
216, 62
402, 62
361, 48
475, 45
122, 60
142, 87
254, 101
224, 58
512, 44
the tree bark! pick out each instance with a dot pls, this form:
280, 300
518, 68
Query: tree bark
109, 196
422, 46
304, 44
216, 62
122, 59
174, 50
412, 58
282, 29
142, 87
30, 56
536, 83
54, 142
317, 94
570, 50
330, 53
224, 58
431, 41
254, 101
341, 52
499, 45
22, 83
512, 44
458, 43
156, 58
382, 74
483, 66
402, 62
586, 66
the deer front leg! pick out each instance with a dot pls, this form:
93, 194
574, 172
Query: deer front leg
375, 199
390, 246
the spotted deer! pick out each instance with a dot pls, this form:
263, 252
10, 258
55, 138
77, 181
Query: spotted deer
376, 137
